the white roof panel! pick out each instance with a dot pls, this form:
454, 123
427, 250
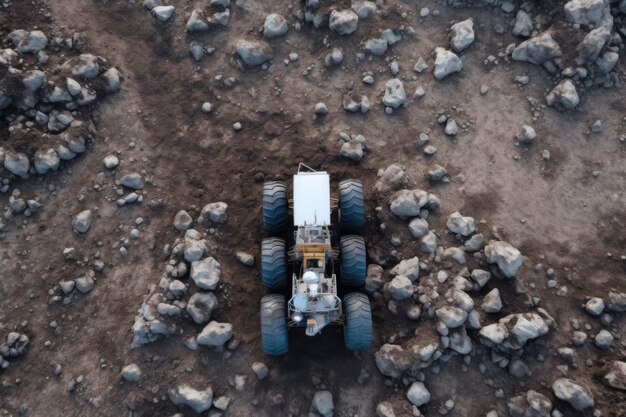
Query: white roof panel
311, 199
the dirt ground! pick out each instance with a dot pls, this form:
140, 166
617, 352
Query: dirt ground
557, 212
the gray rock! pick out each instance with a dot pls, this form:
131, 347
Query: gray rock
475, 243
531, 404
593, 13
84, 284
163, 13
616, 377
213, 212
607, 62
481, 277
197, 22
400, 288
418, 227
462, 35
576, 395
508, 258
409, 268
223, 18
537, 50
492, 303
131, 373
429, 243
408, 203
133, 181
200, 306
46, 160
245, 258
194, 246
34, 42
151, 4
182, 220
495, 333
352, 150
595, 306
459, 224
590, 48
275, 25
321, 109
417, 394
617, 301
563, 94
391, 178
343, 22
34, 80
206, 273
460, 341
526, 135
374, 278
523, 24
84, 66
604, 339
177, 288
198, 401
385, 409
82, 221
526, 326
323, 403
392, 360
67, 286
17, 163
260, 370
452, 317
113, 80
215, 334
446, 63
110, 162
253, 53
394, 96
363, 8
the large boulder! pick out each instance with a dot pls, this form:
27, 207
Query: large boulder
418, 394
253, 53
215, 334
343, 22
206, 273
462, 35
564, 94
400, 288
198, 401
461, 225
537, 50
408, 203
395, 96
446, 63
592, 45
275, 25
576, 395
593, 13
200, 306
616, 378
508, 258
323, 403
392, 360
34, 42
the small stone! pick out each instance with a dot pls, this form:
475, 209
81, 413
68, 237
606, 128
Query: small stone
417, 394
131, 373
82, 221
260, 370
110, 161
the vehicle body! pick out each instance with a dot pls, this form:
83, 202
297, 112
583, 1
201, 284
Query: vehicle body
316, 261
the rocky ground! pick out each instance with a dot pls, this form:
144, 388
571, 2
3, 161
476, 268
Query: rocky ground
135, 138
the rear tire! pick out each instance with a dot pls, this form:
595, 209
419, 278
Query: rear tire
274, 337
351, 205
353, 260
274, 206
357, 330
273, 263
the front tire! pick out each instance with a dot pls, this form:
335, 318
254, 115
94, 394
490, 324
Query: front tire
351, 205
274, 337
274, 206
357, 330
353, 261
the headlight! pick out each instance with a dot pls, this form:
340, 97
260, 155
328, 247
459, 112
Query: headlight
297, 317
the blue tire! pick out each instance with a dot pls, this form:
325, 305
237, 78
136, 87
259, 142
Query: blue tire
273, 263
351, 205
274, 206
357, 329
353, 261
274, 337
